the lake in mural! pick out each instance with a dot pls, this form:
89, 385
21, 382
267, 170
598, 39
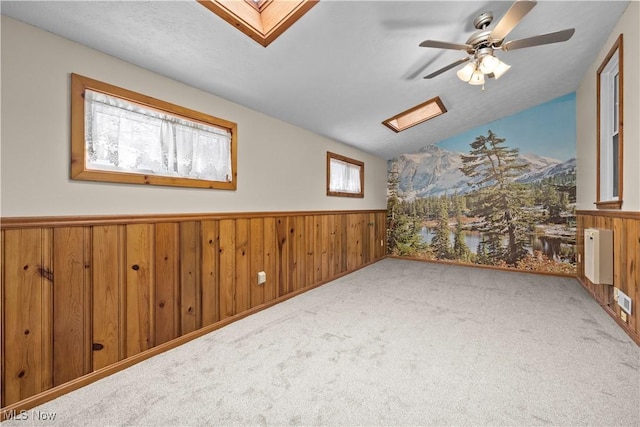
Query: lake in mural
502, 194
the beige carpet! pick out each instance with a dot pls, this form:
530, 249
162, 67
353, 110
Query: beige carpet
397, 343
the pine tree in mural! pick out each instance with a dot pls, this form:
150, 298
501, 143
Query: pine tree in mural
492, 167
403, 230
554, 202
440, 243
482, 257
461, 251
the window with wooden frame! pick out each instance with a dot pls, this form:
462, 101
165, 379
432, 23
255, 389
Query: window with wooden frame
122, 136
609, 129
345, 176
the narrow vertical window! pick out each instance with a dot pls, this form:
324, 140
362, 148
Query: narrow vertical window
345, 176
609, 129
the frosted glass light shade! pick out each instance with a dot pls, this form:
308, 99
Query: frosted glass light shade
500, 69
466, 72
488, 64
477, 78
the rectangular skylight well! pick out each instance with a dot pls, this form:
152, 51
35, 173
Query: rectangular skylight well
416, 115
261, 20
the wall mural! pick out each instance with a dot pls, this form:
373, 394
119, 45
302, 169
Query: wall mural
501, 194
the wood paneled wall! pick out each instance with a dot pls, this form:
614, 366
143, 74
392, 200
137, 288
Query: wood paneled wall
626, 256
81, 294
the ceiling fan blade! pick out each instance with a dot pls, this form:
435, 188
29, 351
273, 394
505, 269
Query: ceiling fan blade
514, 15
444, 45
558, 36
447, 68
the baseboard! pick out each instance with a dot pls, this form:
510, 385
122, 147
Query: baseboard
489, 267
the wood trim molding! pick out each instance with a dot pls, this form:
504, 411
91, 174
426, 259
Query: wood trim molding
611, 214
613, 204
488, 267
7, 223
92, 377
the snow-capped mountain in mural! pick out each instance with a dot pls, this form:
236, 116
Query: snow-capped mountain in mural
553, 169
434, 171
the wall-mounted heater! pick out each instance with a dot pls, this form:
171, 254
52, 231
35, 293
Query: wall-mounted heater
598, 256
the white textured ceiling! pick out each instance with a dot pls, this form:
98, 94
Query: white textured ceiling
345, 66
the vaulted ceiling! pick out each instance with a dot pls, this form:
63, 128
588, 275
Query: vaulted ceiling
345, 66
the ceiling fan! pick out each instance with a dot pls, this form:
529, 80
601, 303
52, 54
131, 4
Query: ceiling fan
483, 43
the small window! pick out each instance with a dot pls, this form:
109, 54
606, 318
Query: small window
122, 136
345, 176
609, 129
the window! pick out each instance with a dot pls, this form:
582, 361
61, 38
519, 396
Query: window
261, 20
345, 176
122, 136
609, 129
416, 115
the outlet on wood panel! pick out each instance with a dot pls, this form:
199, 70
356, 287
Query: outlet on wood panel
262, 278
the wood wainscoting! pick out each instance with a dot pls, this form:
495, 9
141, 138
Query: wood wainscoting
626, 256
82, 295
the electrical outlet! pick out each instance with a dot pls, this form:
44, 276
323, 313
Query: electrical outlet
262, 277
615, 293
623, 316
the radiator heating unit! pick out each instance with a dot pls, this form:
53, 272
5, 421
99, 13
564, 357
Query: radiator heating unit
598, 256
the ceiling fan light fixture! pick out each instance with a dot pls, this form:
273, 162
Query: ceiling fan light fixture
465, 73
488, 64
477, 78
500, 69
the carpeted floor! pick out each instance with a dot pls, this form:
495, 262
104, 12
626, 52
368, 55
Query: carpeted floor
397, 343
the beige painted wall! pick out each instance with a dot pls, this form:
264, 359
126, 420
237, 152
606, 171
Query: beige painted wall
280, 167
628, 25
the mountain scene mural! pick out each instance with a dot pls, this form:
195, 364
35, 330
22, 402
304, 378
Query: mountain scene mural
434, 171
502, 194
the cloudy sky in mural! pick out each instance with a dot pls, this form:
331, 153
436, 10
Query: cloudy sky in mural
545, 130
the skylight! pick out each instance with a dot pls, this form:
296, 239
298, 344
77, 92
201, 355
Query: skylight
258, 4
262, 20
416, 115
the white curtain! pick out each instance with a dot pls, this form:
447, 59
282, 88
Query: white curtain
345, 177
122, 136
